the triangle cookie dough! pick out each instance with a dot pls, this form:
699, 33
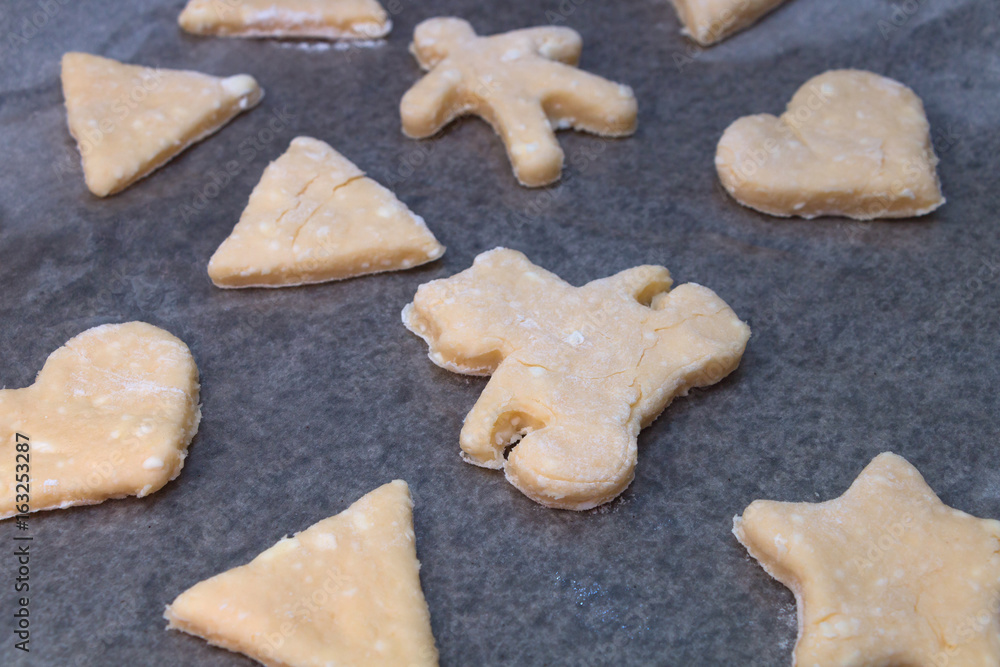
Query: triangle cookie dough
711, 21
851, 143
110, 415
130, 120
316, 217
345, 591
886, 574
323, 19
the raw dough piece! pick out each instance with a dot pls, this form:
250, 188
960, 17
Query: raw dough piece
711, 21
323, 19
315, 217
851, 144
524, 83
577, 371
110, 415
343, 592
130, 120
886, 574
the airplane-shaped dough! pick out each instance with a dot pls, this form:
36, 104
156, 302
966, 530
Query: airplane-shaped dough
323, 19
316, 217
576, 372
129, 120
345, 591
524, 83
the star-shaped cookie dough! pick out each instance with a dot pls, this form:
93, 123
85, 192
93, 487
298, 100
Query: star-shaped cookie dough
524, 83
884, 575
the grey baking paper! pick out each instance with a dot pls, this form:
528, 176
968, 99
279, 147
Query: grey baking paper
866, 336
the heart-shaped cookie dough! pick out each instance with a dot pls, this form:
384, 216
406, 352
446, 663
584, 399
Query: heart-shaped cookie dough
851, 143
110, 415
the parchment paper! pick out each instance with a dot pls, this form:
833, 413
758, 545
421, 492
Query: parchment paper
866, 337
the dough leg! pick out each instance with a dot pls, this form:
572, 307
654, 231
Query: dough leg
531, 144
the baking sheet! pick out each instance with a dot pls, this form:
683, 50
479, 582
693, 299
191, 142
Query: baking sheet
866, 337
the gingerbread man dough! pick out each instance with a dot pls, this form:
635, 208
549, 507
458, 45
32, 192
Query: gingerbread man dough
577, 371
524, 83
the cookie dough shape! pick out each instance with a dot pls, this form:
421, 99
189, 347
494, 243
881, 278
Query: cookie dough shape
886, 574
576, 371
129, 120
110, 415
524, 83
322, 19
851, 143
316, 217
345, 591
711, 21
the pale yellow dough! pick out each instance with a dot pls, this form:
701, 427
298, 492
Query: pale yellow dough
110, 415
323, 19
576, 371
851, 144
885, 575
524, 83
345, 591
130, 120
316, 217
711, 21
